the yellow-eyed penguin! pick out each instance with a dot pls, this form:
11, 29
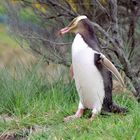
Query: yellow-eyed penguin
91, 70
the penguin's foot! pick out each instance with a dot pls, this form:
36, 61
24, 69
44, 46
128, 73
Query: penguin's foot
117, 109
78, 114
70, 118
95, 112
92, 117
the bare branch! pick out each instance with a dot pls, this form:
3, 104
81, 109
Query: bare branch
114, 23
104, 33
71, 13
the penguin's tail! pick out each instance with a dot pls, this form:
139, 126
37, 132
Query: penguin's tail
114, 108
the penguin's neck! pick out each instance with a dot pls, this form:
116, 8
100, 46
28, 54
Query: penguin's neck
91, 40
79, 44
86, 30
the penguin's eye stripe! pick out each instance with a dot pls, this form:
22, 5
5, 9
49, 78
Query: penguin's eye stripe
72, 22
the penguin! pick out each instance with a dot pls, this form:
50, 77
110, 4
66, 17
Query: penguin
91, 70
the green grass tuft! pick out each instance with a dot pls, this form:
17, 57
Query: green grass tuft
37, 109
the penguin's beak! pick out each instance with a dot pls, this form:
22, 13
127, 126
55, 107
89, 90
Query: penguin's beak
64, 30
108, 64
70, 28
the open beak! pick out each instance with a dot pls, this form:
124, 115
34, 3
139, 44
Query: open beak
108, 64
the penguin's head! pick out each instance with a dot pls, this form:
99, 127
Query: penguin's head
74, 26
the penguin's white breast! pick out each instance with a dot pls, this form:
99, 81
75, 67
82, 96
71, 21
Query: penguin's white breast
88, 79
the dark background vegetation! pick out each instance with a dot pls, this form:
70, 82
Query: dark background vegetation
37, 22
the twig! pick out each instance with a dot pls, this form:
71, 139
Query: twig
104, 33
44, 39
71, 13
102, 8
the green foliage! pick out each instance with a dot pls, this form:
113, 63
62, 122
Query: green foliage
2, 9
31, 101
5, 39
27, 14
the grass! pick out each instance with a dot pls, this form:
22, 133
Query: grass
37, 109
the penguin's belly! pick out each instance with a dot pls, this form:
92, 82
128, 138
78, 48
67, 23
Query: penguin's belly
88, 79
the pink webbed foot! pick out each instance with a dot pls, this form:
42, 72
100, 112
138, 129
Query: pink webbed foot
95, 112
92, 117
70, 118
78, 114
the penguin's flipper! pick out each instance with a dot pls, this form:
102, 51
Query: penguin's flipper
109, 65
